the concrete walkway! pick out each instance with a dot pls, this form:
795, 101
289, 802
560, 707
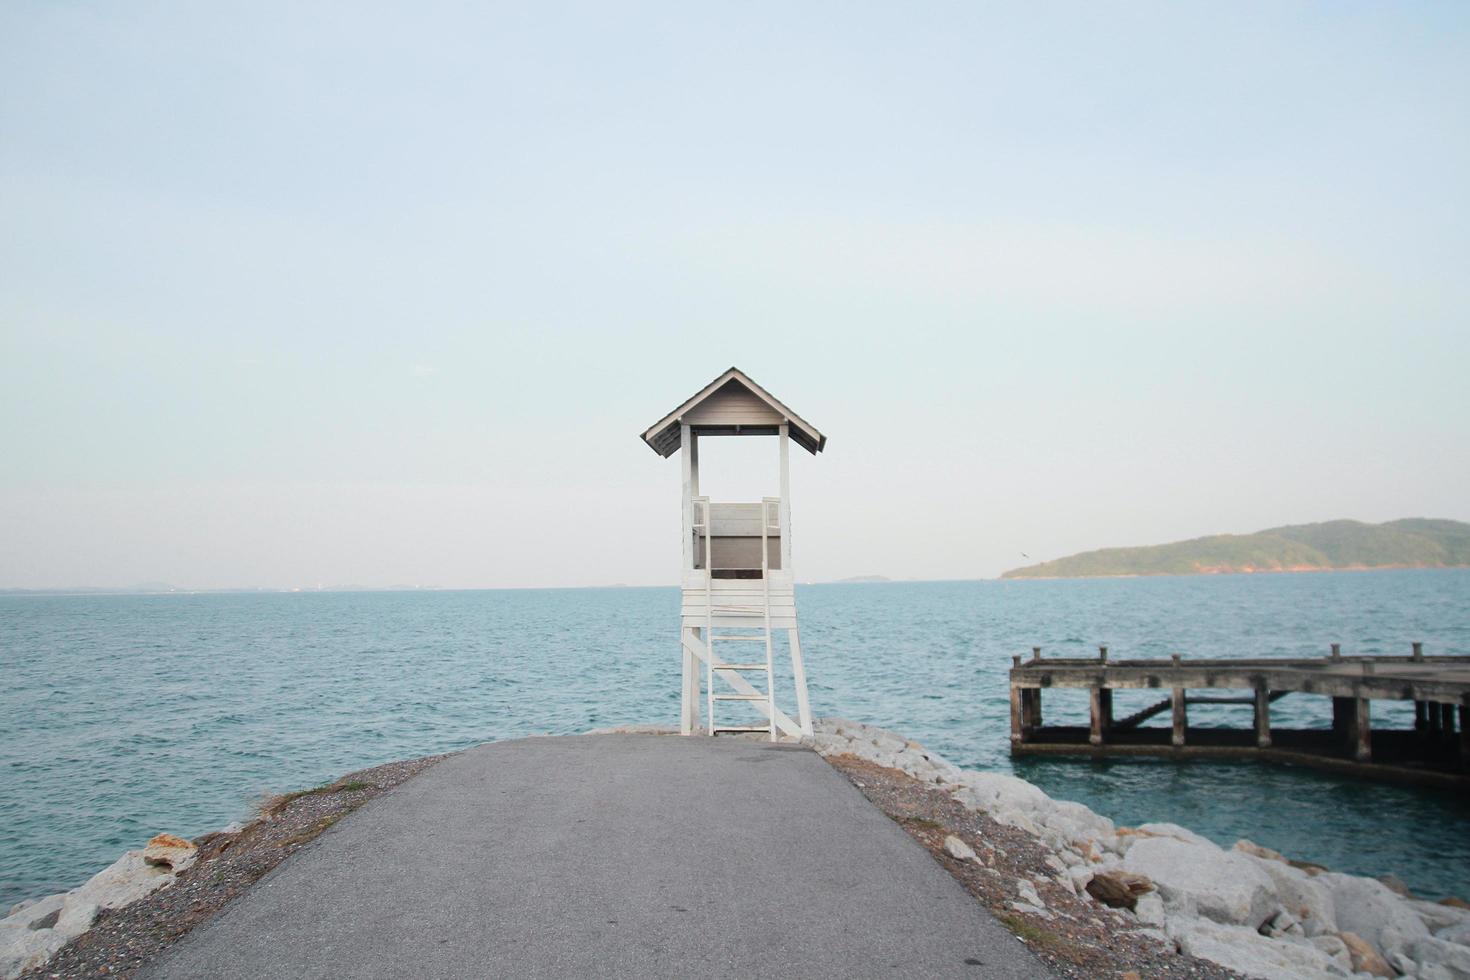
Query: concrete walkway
610, 856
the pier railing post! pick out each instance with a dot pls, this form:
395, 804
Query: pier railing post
1418, 651
1337, 651
1263, 716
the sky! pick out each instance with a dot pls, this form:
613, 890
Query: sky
298, 294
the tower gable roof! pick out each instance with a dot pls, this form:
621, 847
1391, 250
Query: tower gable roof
732, 404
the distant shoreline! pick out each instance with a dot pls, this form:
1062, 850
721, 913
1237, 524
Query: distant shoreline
1219, 573
1222, 572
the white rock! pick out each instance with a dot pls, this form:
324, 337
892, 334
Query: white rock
1201, 879
1080, 877
1030, 909
994, 790
1307, 899
958, 849
1456, 933
1437, 916
1403, 964
825, 744
1077, 823
1282, 924
890, 743
1371, 910
126, 880
1335, 948
1027, 892
1150, 909
1433, 971
1243, 949
1429, 951
1175, 831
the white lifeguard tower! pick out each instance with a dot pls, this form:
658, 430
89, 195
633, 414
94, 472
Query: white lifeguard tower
738, 586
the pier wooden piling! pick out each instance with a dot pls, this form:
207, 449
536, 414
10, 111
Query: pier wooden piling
1435, 751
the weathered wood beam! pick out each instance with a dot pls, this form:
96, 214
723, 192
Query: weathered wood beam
1263, 717
1018, 732
1102, 715
1362, 730
1180, 702
1465, 734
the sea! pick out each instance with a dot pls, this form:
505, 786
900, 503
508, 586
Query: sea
125, 715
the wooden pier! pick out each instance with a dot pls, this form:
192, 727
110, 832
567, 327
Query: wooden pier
1436, 751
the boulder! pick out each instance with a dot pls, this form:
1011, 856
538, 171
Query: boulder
170, 852
1257, 851
1119, 889
1171, 830
1364, 957
1150, 909
1300, 894
38, 929
824, 744
1246, 951
1396, 885
1027, 893
1334, 947
1201, 879
1281, 925
1457, 933
1367, 908
1073, 824
1429, 951
958, 849
1437, 916
1000, 791
1455, 903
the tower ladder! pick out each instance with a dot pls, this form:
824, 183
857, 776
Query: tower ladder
713, 662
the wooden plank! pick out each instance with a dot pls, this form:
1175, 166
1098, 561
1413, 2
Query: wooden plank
688, 692
785, 518
798, 674
1263, 717
686, 466
1179, 701
743, 686
1018, 731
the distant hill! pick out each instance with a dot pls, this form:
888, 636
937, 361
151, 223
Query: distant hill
1414, 542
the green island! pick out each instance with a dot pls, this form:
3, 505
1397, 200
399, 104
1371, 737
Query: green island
1414, 542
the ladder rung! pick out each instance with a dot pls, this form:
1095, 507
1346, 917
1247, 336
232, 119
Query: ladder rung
739, 666
741, 728
744, 639
742, 697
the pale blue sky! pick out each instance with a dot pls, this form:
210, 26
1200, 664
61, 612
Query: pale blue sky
293, 296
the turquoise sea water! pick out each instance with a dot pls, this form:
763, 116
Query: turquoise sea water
121, 716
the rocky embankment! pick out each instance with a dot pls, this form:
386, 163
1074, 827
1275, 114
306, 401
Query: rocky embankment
127, 914
1247, 908
35, 929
